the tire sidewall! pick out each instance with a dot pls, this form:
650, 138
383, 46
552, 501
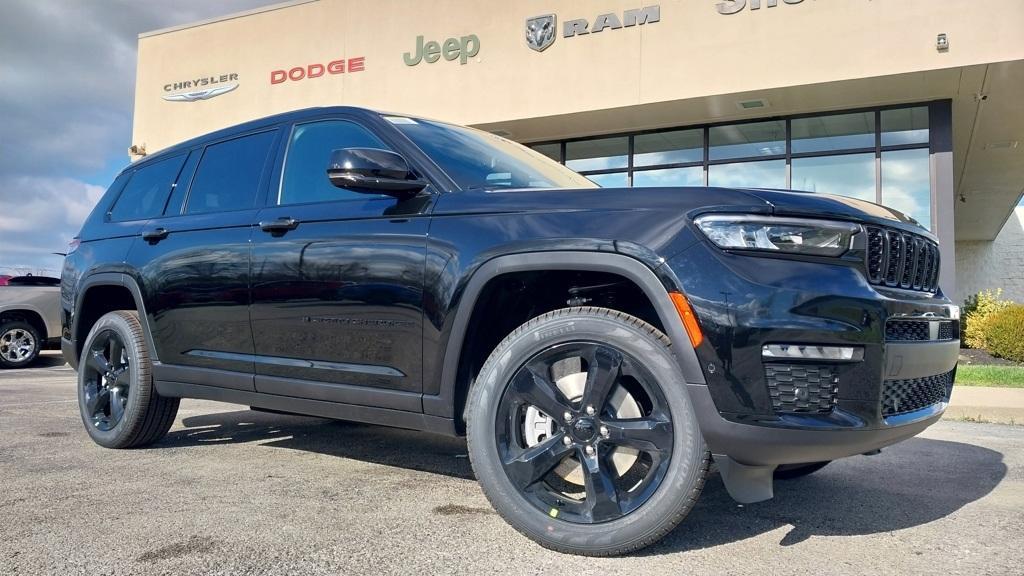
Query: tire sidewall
684, 474
4, 363
120, 435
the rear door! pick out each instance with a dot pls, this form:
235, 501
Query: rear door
338, 295
193, 263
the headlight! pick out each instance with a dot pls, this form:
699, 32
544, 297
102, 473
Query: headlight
786, 235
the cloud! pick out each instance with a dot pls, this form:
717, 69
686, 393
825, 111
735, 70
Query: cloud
68, 77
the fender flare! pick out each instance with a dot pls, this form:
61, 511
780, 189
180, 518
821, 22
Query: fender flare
14, 309
119, 279
443, 404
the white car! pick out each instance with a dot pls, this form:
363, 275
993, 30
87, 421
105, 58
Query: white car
29, 318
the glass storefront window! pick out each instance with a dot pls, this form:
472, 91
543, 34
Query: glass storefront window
836, 132
765, 174
692, 176
850, 175
677, 147
615, 180
747, 140
906, 184
905, 126
600, 154
553, 151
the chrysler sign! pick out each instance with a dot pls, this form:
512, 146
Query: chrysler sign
202, 88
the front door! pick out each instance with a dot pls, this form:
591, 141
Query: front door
337, 281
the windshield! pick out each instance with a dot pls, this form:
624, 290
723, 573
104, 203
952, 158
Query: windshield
476, 159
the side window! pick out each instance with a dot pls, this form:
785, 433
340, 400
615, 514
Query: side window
228, 176
146, 192
305, 169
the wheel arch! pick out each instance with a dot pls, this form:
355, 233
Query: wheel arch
99, 294
30, 314
655, 288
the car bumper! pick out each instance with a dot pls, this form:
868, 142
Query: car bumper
762, 408
764, 445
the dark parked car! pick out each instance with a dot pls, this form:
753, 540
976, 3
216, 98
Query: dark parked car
599, 347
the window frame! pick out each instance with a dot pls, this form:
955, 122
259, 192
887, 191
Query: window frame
109, 215
261, 187
273, 199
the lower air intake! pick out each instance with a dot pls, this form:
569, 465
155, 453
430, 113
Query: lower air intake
801, 388
903, 396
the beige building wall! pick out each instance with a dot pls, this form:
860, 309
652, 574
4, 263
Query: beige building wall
693, 55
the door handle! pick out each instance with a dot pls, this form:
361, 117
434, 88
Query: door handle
280, 226
155, 235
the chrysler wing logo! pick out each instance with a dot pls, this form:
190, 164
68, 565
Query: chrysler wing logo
200, 94
540, 32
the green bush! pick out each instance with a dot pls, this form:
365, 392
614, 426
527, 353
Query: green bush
1006, 333
977, 314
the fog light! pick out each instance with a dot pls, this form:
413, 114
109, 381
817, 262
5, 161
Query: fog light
811, 352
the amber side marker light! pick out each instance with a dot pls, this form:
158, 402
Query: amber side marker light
688, 318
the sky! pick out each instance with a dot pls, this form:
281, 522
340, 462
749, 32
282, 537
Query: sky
67, 77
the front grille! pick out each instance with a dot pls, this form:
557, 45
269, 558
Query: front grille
903, 396
901, 260
801, 387
917, 330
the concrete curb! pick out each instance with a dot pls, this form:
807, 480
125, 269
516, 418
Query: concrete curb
999, 405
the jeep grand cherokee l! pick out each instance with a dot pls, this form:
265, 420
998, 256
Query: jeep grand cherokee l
598, 347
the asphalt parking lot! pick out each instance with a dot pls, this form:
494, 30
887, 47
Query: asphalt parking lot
231, 491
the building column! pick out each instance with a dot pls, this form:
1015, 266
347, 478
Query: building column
940, 123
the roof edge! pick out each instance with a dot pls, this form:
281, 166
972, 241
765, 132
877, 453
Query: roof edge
232, 16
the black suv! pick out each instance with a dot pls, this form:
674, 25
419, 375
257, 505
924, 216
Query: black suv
599, 347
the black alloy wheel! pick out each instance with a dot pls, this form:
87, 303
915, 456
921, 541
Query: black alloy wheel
107, 380
587, 431
582, 434
117, 396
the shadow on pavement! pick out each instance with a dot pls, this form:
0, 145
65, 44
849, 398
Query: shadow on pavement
914, 483
376, 444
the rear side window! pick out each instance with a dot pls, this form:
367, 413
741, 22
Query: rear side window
146, 192
305, 170
228, 176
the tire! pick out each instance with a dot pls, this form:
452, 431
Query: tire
117, 400
648, 367
793, 471
19, 344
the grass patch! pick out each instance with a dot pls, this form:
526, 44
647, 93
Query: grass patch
998, 376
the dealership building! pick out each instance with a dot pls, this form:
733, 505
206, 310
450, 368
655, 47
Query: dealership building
914, 104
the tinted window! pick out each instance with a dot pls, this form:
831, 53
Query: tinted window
146, 192
305, 170
836, 132
747, 140
228, 176
600, 154
675, 147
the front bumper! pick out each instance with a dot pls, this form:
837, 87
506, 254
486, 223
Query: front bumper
758, 444
892, 390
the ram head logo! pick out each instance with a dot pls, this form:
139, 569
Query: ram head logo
540, 32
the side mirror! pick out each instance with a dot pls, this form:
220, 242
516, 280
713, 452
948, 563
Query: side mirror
373, 171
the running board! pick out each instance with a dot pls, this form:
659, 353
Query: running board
746, 484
